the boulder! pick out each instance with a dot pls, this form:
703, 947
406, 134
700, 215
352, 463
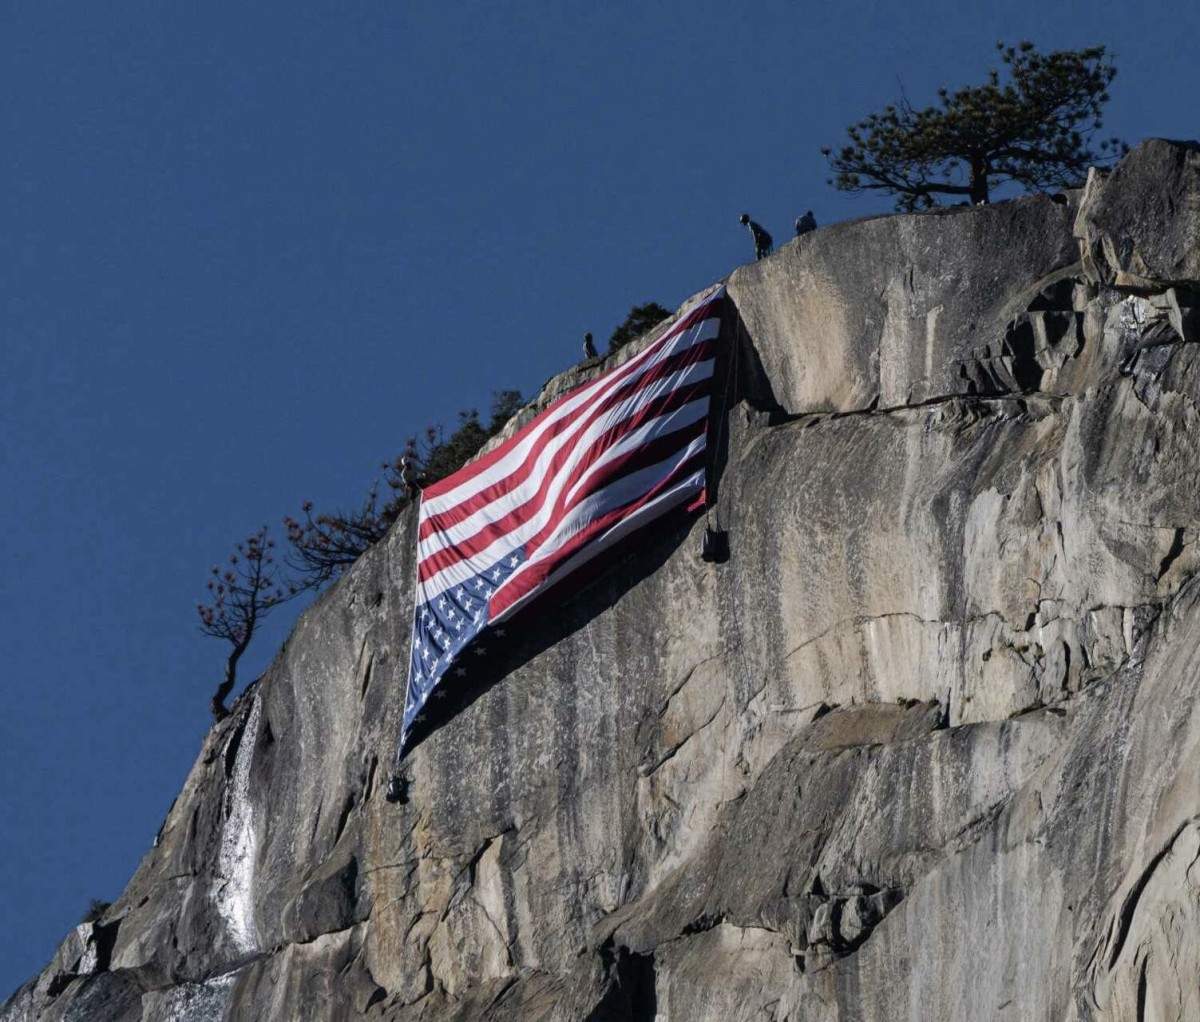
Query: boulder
1139, 227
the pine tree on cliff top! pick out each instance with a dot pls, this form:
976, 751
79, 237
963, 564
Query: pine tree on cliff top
1037, 130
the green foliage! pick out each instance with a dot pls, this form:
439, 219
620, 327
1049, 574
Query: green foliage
1036, 130
641, 319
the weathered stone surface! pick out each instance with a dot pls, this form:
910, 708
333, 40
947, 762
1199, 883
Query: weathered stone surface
895, 311
925, 747
1140, 226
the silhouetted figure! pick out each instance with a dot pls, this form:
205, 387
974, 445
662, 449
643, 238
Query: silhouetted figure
589, 349
397, 790
411, 476
762, 240
805, 223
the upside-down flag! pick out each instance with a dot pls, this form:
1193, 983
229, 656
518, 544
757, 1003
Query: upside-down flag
599, 463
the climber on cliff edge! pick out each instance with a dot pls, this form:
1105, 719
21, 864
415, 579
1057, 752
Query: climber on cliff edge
763, 242
412, 477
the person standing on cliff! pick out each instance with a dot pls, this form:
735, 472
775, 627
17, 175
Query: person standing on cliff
805, 223
762, 240
412, 477
589, 346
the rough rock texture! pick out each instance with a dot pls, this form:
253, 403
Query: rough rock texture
1141, 226
925, 747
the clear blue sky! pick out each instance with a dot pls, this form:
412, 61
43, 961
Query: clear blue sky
247, 249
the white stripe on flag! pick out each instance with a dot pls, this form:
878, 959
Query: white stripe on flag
706, 330
526, 490
623, 491
656, 508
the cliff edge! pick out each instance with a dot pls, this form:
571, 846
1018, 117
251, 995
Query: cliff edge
925, 747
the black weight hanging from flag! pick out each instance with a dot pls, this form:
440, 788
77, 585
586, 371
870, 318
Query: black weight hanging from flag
714, 547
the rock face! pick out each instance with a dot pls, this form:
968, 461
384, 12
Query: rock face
1141, 227
925, 747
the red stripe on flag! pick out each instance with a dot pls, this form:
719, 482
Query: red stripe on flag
536, 574
579, 462
577, 421
653, 452
704, 311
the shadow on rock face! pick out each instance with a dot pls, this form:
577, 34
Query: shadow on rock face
544, 623
631, 994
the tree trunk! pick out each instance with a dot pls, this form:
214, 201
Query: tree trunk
219, 710
979, 180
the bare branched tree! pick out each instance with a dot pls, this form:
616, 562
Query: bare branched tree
241, 594
325, 545
322, 546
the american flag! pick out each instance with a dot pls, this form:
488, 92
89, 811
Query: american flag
600, 462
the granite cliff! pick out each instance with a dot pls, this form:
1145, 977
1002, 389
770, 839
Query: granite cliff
926, 746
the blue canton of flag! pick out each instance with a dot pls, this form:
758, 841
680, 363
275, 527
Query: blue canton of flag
446, 624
